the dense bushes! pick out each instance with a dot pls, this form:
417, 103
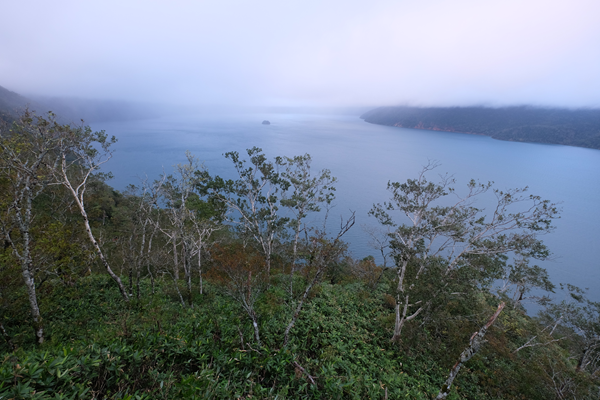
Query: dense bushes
97, 348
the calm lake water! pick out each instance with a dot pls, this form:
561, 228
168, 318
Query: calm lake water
364, 157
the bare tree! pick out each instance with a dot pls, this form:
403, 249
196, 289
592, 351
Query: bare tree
193, 220
144, 224
545, 333
379, 240
200, 230
176, 191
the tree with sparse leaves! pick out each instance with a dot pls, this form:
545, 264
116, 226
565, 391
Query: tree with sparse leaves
308, 194
29, 157
82, 153
253, 200
442, 244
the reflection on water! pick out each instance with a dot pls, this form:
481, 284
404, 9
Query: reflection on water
365, 157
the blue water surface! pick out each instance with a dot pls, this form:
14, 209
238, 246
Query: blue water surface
364, 157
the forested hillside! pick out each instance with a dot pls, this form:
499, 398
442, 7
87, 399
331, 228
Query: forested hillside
75, 109
10, 102
580, 127
194, 286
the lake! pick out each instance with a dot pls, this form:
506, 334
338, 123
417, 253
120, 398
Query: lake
364, 157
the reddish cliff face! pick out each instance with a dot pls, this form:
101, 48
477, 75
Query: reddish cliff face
430, 127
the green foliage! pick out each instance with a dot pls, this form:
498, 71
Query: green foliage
157, 349
150, 351
449, 251
233, 338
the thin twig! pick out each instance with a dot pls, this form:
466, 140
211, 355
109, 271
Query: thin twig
310, 378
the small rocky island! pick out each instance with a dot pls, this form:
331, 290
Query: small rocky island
265, 122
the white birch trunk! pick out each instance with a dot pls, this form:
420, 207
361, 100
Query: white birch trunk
78, 197
474, 345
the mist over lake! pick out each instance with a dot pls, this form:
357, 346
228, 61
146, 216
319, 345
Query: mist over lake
364, 157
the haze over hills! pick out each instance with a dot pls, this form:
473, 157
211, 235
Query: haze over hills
72, 109
75, 109
572, 127
10, 103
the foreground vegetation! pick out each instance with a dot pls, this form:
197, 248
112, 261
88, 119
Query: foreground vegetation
193, 286
96, 348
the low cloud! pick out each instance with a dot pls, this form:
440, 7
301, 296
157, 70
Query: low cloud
308, 53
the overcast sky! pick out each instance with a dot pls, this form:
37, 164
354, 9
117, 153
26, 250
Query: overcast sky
305, 52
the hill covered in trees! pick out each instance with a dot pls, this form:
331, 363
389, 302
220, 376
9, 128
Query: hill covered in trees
75, 109
579, 127
10, 102
195, 286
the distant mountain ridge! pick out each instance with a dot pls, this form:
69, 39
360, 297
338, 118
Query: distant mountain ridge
11, 103
579, 127
72, 110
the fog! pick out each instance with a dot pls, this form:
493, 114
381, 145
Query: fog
305, 53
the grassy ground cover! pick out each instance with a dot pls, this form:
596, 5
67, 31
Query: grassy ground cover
98, 348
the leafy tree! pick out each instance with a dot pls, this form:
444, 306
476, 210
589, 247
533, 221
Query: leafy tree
192, 219
582, 317
239, 271
82, 152
450, 242
253, 198
29, 156
308, 194
321, 251
475, 344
